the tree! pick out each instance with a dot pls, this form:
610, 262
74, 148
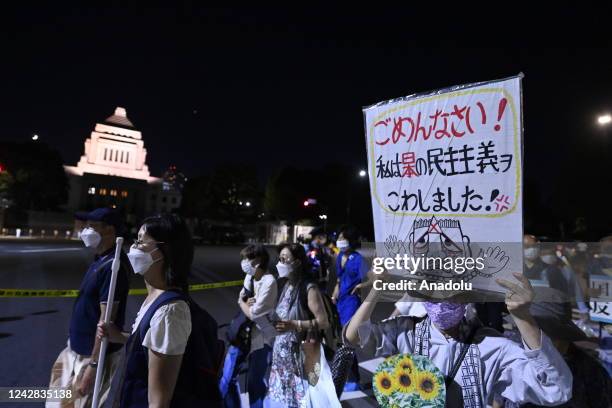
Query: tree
36, 179
339, 191
229, 193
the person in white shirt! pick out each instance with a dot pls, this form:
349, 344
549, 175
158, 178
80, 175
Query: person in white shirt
491, 365
162, 254
256, 300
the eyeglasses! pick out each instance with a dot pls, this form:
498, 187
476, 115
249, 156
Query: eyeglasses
138, 243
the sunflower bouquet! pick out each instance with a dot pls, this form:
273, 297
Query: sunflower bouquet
405, 380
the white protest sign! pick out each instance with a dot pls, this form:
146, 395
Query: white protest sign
446, 178
600, 309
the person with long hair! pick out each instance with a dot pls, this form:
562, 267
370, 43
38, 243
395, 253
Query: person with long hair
162, 254
299, 374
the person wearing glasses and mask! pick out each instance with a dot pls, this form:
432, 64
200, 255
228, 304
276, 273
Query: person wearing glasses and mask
76, 365
299, 374
149, 372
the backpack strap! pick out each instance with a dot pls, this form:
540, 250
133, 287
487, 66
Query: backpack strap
303, 289
165, 298
104, 264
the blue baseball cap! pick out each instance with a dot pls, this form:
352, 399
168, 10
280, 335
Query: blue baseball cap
105, 215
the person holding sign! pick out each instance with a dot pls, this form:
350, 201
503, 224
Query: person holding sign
478, 363
77, 364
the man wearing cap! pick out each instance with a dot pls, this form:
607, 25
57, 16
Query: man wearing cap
75, 368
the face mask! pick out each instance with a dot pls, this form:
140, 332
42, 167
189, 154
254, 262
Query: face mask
445, 315
283, 269
549, 259
141, 261
247, 268
342, 244
531, 254
91, 238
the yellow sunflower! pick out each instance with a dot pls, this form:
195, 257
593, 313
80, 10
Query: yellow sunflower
406, 363
404, 380
385, 383
427, 386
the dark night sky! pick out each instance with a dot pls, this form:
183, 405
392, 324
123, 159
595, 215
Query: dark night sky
275, 87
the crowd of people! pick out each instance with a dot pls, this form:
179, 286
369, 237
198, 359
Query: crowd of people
298, 318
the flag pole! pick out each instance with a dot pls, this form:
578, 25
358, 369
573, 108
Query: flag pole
107, 318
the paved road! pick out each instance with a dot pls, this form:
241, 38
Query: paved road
34, 330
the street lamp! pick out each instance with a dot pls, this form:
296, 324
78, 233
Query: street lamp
35, 137
248, 203
604, 119
362, 174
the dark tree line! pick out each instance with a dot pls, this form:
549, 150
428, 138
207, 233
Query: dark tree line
32, 176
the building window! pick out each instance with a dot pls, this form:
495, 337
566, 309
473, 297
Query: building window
91, 190
105, 153
127, 157
121, 160
103, 192
113, 192
124, 194
164, 199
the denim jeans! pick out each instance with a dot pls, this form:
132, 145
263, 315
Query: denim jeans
257, 382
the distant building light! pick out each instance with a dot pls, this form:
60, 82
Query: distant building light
124, 194
248, 203
91, 191
604, 119
113, 192
103, 192
35, 137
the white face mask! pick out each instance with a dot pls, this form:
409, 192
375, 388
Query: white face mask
283, 269
342, 244
247, 268
531, 254
90, 237
549, 259
141, 261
